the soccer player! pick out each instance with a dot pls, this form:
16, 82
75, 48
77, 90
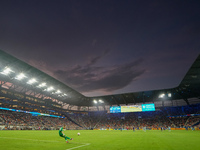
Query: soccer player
63, 135
144, 129
133, 129
169, 128
193, 128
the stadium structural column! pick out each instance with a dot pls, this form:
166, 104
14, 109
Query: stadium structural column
134, 98
104, 107
154, 97
113, 97
124, 99
143, 97
186, 100
97, 107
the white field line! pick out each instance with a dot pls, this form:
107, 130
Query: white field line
30, 139
86, 144
82, 144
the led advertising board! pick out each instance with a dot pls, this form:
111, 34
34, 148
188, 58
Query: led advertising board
33, 113
115, 109
148, 107
132, 108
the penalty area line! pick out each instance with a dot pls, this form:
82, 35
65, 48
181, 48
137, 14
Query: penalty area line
85, 144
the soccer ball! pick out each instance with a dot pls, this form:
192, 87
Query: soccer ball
78, 134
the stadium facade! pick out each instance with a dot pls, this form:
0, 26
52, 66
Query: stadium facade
28, 96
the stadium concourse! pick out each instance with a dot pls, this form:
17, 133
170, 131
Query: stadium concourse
44, 103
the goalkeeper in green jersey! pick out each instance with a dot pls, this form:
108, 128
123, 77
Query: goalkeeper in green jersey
63, 135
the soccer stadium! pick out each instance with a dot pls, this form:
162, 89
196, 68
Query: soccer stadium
34, 106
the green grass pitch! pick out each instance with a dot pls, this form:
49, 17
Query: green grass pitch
100, 140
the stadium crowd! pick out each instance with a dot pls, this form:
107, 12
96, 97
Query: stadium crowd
101, 120
16, 120
130, 120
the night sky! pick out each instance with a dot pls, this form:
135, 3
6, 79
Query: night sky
103, 47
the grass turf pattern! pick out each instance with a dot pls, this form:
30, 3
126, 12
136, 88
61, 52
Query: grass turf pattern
100, 140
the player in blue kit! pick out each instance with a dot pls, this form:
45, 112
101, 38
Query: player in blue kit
133, 129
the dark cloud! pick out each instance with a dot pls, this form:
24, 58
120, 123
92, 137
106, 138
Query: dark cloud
93, 60
65, 39
89, 77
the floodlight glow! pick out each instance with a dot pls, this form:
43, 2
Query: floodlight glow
100, 101
161, 95
50, 88
58, 91
31, 81
42, 84
95, 101
169, 95
20, 76
64, 94
6, 71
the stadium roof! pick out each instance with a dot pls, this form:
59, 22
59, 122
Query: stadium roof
34, 81
60, 91
188, 88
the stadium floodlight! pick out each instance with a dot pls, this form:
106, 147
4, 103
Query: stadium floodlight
100, 101
169, 94
58, 92
95, 101
20, 76
31, 81
161, 96
6, 71
50, 88
64, 94
42, 84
